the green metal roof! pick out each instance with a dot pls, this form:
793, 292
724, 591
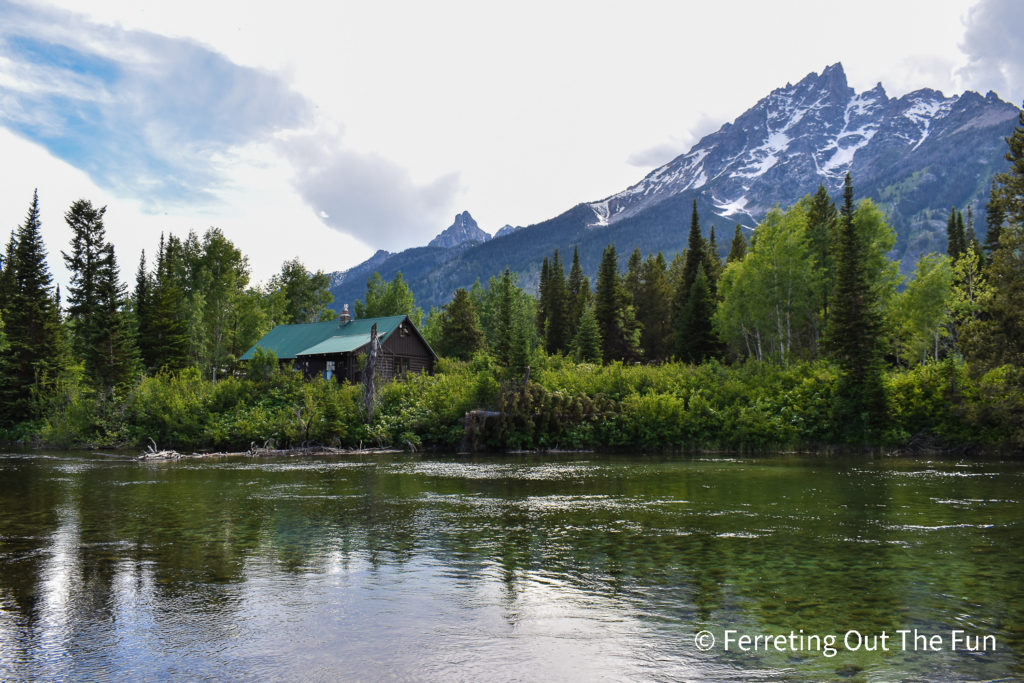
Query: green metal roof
289, 341
340, 344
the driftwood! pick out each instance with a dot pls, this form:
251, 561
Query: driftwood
263, 452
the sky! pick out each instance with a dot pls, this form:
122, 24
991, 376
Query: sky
328, 130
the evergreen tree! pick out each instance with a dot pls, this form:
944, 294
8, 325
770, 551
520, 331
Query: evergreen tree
575, 291
460, 335
31, 321
697, 341
654, 309
971, 235
587, 345
695, 254
607, 302
956, 238
557, 335
854, 331
633, 280
712, 263
168, 343
542, 298
994, 218
100, 328
822, 220
738, 248
1011, 183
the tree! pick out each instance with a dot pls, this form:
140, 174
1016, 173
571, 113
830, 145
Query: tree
389, 298
303, 296
542, 298
738, 248
822, 220
578, 291
587, 345
695, 254
921, 311
654, 309
969, 299
1002, 339
1010, 184
460, 332
854, 331
956, 237
557, 335
697, 340
712, 262
100, 328
994, 218
167, 346
770, 299
32, 322
616, 319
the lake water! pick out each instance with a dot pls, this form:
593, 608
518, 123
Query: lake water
527, 568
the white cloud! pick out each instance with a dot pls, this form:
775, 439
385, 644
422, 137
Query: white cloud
995, 50
366, 195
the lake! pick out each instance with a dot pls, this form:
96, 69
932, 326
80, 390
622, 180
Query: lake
576, 567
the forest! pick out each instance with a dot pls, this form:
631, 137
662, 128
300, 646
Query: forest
804, 336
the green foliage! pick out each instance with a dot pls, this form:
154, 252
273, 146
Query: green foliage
460, 335
100, 326
299, 296
770, 298
388, 298
919, 316
738, 247
36, 352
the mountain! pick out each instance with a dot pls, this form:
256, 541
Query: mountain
915, 156
463, 230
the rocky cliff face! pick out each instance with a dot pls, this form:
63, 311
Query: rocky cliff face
464, 230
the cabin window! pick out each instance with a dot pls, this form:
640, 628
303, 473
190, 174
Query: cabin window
401, 366
329, 370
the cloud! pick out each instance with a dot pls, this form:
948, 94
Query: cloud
995, 52
666, 151
366, 195
144, 115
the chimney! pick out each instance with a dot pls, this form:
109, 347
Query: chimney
344, 317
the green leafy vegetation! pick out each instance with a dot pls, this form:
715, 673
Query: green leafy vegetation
806, 336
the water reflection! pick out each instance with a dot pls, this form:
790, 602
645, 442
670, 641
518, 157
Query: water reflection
500, 568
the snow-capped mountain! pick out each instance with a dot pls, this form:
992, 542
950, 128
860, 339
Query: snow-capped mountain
915, 156
815, 132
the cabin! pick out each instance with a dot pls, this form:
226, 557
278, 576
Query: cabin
336, 349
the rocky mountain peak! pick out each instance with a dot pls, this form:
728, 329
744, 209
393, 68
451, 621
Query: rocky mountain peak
463, 230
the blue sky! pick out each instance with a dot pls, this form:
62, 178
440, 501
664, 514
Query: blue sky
329, 130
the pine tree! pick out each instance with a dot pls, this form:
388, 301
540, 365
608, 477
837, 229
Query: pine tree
607, 302
695, 254
738, 248
994, 218
542, 298
587, 345
461, 335
854, 332
100, 329
503, 347
31, 321
633, 279
956, 237
971, 235
822, 221
697, 341
167, 346
575, 292
712, 263
557, 335
654, 309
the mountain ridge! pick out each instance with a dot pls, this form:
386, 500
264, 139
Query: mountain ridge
915, 155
